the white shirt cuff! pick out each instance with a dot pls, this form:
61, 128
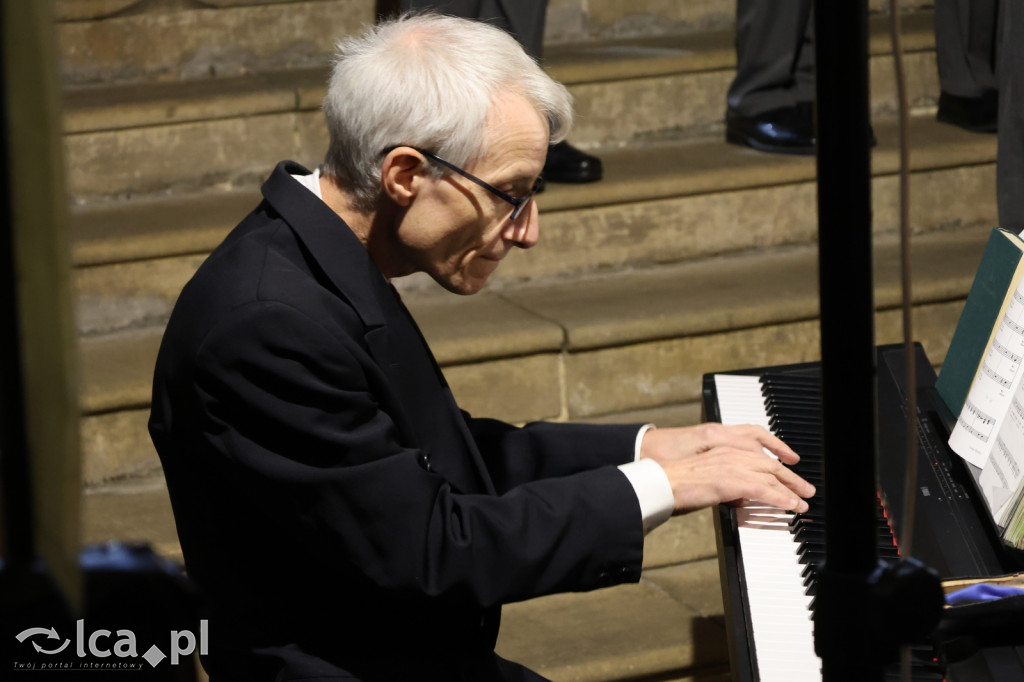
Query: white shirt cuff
640, 439
653, 491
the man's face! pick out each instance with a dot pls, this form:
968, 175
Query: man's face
457, 231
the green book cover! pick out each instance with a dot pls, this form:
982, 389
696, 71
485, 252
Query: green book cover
992, 283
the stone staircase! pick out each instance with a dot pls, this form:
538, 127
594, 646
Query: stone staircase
690, 256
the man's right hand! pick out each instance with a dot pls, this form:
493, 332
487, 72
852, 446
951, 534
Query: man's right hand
712, 464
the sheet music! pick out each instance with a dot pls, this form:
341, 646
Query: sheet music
996, 383
1002, 473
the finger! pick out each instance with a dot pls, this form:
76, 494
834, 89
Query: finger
778, 498
774, 492
778, 447
769, 441
794, 482
756, 439
781, 486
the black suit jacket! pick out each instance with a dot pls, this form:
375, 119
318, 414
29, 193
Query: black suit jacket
342, 517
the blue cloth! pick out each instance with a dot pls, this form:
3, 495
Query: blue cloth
982, 592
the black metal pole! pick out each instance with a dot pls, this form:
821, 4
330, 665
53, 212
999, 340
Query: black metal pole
844, 621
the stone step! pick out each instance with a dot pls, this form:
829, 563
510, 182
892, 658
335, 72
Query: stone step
188, 136
605, 346
167, 40
668, 626
160, 40
672, 202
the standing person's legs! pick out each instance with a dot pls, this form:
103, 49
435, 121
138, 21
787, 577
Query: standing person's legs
769, 100
966, 48
774, 56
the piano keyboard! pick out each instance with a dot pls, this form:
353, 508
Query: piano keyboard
785, 548
781, 625
769, 557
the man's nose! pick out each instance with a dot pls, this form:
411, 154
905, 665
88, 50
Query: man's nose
524, 231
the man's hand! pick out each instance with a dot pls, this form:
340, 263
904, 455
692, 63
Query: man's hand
710, 464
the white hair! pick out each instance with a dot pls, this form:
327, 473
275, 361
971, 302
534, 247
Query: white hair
426, 81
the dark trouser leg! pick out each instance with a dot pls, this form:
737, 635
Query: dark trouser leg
1010, 166
773, 56
965, 46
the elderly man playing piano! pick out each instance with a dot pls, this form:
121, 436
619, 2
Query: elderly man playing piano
341, 516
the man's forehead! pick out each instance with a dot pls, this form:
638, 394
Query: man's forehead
512, 109
515, 126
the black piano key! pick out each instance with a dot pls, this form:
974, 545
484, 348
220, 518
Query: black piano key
817, 534
792, 403
811, 555
809, 419
786, 387
783, 386
795, 398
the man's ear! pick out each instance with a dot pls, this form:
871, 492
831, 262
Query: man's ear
401, 173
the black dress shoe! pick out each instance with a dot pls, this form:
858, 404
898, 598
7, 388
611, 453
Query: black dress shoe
787, 130
565, 163
977, 114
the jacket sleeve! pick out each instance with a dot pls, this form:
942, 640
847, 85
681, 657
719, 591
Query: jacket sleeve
515, 455
289, 409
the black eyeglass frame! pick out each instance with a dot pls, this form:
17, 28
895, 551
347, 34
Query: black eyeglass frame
518, 203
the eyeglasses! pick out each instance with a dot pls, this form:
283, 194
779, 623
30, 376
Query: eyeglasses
518, 203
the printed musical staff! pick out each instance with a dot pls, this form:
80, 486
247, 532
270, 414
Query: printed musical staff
1012, 325
1005, 352
1006, 455
1017, 409
994, 465
995, 376
976, 422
